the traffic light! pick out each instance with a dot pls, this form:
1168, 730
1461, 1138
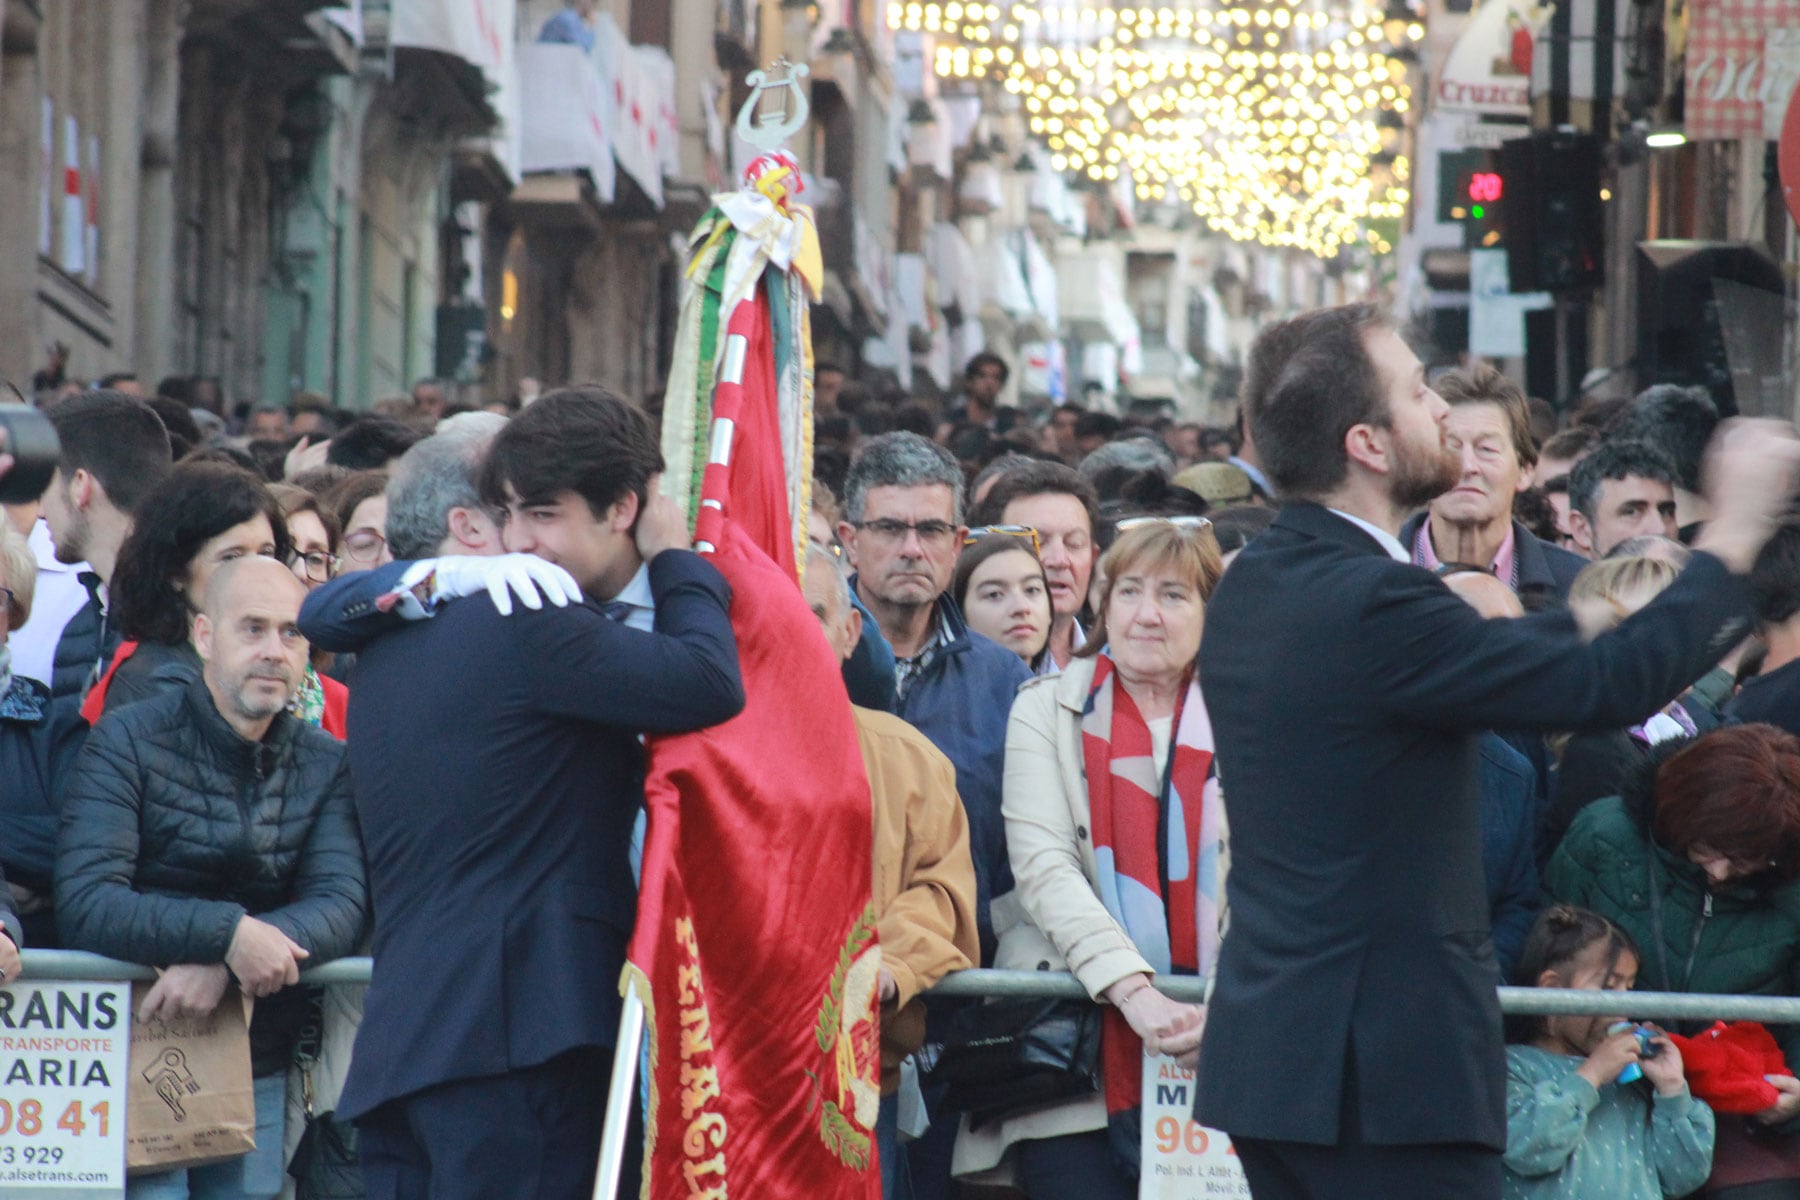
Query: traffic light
1471, 192
1551, 226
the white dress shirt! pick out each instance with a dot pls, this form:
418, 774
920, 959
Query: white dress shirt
1388, 541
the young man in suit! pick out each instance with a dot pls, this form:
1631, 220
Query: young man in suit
498, 775
1353, 1046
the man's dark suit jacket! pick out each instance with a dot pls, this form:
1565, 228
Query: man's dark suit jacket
498, 774
1346, 692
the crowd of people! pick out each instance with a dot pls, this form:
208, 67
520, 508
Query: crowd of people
283, 684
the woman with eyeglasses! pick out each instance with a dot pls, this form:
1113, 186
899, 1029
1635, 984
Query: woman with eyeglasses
313, 529
201, 516
360, 504
1002, 591
1115, 826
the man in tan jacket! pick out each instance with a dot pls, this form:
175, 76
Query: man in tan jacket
924, 879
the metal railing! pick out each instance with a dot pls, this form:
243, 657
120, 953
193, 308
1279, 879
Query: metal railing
1654, 1006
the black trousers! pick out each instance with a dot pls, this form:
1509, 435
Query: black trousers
531, 1133
1296, 1171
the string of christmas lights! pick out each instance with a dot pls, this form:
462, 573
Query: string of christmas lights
1275, 120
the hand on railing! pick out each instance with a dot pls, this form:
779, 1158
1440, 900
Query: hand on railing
1166, 1026
263, 958
185, 990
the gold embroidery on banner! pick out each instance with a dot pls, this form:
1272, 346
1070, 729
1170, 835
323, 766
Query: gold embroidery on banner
848, 1031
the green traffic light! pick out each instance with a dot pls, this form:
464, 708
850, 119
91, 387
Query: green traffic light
1477, 212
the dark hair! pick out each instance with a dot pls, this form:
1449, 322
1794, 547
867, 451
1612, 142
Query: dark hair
1677, 420
1037, 478
113, 379
1775, 579
1614, 459
1484, 385
271, 456
978, 552
1531, 508
196, 503
176, 387
343, 500
1561, 934
183, 430
1735, 791
320, 480
1309, 381
915, 417
1570, 443
1097, 424
118, 439
578, 439
987, 358
224, 454
1236, 526
368, 443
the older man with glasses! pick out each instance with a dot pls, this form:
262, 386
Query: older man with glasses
902, 528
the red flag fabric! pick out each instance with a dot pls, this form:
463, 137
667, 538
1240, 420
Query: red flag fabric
755, 947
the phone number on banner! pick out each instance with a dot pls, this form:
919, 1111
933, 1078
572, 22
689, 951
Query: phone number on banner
63, 1054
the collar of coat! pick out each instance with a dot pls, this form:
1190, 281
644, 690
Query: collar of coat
234, 748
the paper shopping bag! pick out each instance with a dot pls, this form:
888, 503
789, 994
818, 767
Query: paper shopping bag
189, 1091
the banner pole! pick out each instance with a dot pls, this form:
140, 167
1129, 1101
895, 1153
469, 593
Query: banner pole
620, 1096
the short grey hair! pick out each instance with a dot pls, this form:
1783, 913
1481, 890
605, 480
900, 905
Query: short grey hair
901, 460
816, 553
434, 476
1134, 454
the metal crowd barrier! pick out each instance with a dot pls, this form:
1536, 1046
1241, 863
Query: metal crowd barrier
1654, 1006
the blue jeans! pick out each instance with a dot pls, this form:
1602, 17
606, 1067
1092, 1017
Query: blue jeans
896, 1180
253, 1176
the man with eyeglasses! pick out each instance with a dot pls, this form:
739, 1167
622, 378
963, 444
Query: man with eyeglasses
1060, 503
902, 530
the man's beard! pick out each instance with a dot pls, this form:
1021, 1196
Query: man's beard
71, 547
1421, 474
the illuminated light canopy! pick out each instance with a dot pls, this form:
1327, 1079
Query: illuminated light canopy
1271, 129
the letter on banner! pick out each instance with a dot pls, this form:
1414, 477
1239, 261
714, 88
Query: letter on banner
1182, 1158
63, 1054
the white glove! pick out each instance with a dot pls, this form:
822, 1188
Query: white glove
502, 577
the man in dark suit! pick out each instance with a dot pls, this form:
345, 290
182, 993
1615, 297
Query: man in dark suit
498, 775
1353, 1044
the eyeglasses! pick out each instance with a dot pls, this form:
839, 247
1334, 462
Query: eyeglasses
931, 533
364, 546
1186, 524
318, 564
1018, 531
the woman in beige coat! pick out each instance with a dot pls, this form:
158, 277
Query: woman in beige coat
1115, 829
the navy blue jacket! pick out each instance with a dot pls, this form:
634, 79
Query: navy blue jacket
1359, 958
1508, 847
498, 774
961, 701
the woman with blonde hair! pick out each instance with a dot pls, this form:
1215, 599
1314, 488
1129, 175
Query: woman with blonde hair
1116, 830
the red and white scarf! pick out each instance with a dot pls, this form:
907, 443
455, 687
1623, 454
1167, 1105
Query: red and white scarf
1157, 844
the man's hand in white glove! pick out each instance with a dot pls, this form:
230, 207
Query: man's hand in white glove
503, 576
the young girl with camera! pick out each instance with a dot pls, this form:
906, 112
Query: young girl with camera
1573, 1129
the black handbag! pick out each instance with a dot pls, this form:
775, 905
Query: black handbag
325, 1165
1010, 1057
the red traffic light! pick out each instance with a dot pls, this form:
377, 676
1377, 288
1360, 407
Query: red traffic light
1484, 187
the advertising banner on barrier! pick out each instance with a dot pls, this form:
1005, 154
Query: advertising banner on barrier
1181, 1158
63, 1049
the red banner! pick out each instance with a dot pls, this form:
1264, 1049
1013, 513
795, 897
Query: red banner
755, 947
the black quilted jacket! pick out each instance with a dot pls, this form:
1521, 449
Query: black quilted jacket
174, 826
